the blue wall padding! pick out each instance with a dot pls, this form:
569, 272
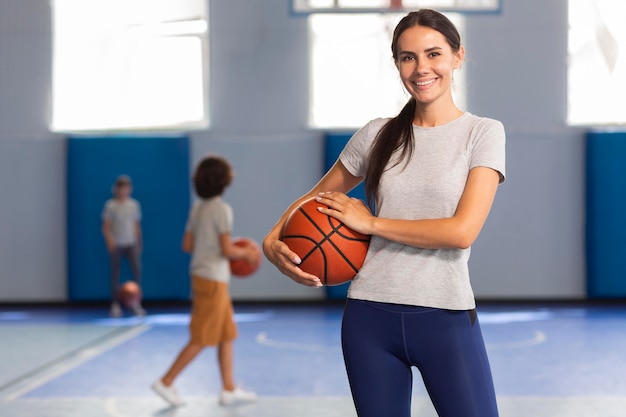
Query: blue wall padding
333, 145
159, 168
606, 214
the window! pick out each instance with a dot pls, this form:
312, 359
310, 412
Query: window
126, 65
376, 6
353, 77
597, 62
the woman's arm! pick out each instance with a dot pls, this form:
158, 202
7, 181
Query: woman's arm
458, 231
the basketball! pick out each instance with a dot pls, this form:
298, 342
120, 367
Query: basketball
130, 294
240, 267
328, 248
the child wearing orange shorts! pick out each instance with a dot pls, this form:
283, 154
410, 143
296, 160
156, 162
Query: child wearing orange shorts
208, 239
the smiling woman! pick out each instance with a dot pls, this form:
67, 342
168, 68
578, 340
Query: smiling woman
431, 174
121, 65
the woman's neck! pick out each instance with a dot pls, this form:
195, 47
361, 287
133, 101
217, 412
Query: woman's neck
432, 115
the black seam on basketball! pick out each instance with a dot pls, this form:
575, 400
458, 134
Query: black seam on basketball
335, 230
348, 261
316, 245
327, 237
352, 238
310, 219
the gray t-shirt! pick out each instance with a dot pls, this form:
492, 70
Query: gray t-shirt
429, 187
123, 214
208, 219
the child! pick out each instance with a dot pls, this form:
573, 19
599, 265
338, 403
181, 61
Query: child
208, 238
121, 229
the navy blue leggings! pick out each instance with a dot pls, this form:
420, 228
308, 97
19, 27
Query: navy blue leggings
381, 342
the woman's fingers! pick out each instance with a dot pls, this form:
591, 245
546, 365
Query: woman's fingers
287, 263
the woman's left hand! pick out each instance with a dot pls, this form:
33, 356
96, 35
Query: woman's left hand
352, 212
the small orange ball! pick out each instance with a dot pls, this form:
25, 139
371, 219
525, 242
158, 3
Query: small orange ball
130, 294
240, 268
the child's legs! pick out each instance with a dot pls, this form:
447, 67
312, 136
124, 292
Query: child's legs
213, 323
186, 355
131, 253
225, 360
453, 362
380, 377
134, 258
115, 260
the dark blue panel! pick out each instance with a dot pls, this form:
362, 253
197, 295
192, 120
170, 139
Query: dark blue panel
334, 144
159, 168
606, 214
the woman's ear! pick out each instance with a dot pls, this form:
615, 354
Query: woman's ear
460, 55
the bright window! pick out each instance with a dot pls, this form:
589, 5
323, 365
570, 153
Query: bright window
348, 6
127, 65
597, 62
353, 77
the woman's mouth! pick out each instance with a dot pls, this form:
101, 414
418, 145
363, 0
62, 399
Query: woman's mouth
425, 83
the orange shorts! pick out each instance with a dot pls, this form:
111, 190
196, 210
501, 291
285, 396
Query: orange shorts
212, 316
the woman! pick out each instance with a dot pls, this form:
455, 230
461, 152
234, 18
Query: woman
432, 173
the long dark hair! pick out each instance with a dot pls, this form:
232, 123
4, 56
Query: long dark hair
398, 132
213, 174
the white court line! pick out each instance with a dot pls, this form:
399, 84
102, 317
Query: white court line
263, 339
538, 338
110, 407
76, 360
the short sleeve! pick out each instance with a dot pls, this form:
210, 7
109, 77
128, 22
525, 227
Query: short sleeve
224, 219
138, 205
354, 155
488, 148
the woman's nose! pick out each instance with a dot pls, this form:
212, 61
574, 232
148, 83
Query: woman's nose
421, 67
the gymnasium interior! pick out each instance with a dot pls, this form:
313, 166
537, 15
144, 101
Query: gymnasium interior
548, 269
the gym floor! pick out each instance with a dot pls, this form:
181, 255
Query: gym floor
549, 359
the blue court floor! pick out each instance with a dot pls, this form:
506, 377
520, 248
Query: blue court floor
553, 359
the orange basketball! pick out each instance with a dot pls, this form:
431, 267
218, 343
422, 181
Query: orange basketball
328, 248
240, 267
130, 294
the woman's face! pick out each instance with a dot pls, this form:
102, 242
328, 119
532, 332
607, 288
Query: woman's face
426, 63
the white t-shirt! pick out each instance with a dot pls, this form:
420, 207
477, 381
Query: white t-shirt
209, 218
429, 187
123, 215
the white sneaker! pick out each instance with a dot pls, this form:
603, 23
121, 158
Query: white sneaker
237, 396
116, 310
169, 394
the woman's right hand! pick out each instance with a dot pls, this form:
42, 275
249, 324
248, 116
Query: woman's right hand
278, 253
